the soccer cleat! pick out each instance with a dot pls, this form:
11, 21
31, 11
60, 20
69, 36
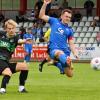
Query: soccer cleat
2, 91
23, 91
40, 67
62, 73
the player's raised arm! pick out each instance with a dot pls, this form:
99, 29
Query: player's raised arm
42, 11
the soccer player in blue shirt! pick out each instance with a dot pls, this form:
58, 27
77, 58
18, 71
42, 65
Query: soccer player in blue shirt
61, 36
28, 45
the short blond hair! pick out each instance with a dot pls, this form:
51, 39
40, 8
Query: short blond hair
11, 22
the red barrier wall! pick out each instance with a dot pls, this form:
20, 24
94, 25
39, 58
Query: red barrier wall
38, 53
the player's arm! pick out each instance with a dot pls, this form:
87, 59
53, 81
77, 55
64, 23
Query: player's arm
72, 47
22, 41
42, 11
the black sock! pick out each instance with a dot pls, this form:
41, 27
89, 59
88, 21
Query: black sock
55, 63
23, 77
5, 81
43, 62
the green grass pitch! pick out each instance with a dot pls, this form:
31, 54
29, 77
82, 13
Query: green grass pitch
51, 85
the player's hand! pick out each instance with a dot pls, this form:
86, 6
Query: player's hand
47, 1
77, 57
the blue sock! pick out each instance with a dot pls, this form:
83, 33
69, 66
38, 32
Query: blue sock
27, 58
62, 59
58, 65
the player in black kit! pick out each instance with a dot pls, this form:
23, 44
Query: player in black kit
8, 42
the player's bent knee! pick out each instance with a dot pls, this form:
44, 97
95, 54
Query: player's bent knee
58, 53
7, 71
21, 66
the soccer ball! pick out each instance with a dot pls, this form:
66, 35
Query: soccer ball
95, 63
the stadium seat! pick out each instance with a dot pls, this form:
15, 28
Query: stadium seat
74, 28
17, 30
84, 18
90, 29
75, 24
45, 29
81, 24
1, 28
94, 45
84, 29
79, 29
88, 45
88, 24
94, 34
96, 29
82, 34
79, 40
70, 23
25, 25
82, 45
76, 34
85, 40
30, 24
90, 18
91, 40
95, 41
20, 24
88, 34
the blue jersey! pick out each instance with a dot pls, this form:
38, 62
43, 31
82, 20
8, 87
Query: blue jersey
28, 36
60, 34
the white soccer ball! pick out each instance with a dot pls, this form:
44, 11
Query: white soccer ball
95, 63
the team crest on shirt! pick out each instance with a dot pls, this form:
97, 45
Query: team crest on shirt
11, 40
61, 31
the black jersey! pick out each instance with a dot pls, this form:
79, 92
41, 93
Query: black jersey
7, 45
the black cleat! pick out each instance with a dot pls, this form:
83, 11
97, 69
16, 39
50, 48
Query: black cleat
23, 91
62, 73
40, 67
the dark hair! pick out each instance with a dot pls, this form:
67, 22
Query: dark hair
66, 10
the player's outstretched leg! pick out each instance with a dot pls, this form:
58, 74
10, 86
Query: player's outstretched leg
68, 67
6, 77
59, 66
41, 64
23, 68
66, 63
22, 79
